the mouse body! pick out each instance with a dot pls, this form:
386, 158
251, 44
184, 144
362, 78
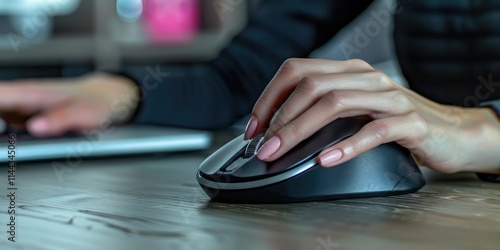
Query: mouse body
234, 173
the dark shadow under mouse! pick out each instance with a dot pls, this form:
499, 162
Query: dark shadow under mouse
234, 174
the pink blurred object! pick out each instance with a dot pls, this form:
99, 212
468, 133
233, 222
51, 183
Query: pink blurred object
171, 21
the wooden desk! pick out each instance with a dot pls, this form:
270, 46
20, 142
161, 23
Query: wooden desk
156, 203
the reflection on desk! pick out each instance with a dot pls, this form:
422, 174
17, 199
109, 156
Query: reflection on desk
155, 203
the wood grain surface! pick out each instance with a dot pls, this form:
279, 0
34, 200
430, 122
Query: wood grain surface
156, 203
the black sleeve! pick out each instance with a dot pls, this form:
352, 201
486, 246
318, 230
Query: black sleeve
215, 94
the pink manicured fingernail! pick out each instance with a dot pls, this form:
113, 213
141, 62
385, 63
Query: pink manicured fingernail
251, 127
330, 157
269, 148
39, 126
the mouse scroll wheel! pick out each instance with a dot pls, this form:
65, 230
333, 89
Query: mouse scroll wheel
254, 145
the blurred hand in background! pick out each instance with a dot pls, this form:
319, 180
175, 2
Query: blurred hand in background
52, 107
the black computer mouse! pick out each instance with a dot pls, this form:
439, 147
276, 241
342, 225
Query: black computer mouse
234, 173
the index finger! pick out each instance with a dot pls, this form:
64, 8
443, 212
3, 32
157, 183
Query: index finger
31, 95
285, 82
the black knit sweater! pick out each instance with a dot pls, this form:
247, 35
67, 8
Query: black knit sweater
449, 52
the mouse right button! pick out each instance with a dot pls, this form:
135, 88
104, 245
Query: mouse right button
329, 135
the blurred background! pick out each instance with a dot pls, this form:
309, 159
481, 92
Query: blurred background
53, 38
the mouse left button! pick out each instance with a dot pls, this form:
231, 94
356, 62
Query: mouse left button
220, 157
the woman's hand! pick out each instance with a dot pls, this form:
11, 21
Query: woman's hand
55, 106
307, 94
